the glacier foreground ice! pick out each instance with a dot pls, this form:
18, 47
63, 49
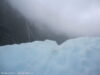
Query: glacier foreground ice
74, 57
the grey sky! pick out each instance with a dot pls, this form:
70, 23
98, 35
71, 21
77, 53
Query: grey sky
72, 18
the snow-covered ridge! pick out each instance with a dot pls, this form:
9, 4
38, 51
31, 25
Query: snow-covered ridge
79, 56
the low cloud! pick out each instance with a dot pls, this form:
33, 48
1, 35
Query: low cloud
73, 18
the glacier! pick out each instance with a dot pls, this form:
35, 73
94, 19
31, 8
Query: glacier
80, 56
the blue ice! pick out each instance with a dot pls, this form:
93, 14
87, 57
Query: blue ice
79, 56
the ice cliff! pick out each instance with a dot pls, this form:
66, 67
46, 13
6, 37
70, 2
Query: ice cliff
79, 56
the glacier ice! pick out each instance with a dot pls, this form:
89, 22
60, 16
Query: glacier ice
79, 56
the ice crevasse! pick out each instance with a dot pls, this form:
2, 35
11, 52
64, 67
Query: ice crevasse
79, 56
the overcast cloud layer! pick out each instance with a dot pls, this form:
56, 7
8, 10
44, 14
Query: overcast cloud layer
72, 18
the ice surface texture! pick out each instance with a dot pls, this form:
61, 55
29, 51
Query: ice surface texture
74, 57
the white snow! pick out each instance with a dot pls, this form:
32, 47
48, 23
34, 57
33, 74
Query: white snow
74, 57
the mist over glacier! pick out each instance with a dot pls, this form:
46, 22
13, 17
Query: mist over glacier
72, 18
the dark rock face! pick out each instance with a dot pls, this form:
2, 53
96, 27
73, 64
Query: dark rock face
15, 29
6, 36
12, 25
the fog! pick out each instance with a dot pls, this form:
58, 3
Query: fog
72, 18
